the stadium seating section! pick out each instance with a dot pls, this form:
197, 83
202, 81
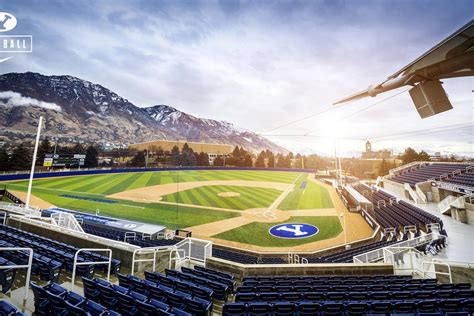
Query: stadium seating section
116, 234
395, 214
434, 171
7, 309
50, 256
349, 295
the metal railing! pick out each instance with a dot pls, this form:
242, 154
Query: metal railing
378, 254
21, 266
108, 262
20, 209
149, 251
67, 221
94, 238
3, 217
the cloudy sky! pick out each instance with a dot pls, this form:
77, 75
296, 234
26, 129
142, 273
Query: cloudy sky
259, 64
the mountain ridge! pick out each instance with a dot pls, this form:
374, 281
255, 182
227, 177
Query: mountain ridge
79, 110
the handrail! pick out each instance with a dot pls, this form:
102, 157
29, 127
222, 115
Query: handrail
21, 266
109, 262
438, 272
4, 217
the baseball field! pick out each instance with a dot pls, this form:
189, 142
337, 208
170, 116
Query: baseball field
235, 207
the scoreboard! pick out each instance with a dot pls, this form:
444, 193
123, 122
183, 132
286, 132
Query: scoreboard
64, 160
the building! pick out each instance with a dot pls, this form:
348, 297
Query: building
379, 154
212, 150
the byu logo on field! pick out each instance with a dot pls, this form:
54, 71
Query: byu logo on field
7, 21
293, 230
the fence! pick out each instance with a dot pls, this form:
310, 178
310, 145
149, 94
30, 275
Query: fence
379, 254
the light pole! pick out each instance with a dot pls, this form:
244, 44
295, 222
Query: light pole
30, 184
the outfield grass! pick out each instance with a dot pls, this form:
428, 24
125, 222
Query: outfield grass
114, 183
171, 216
249, 197
306, 195
257, 233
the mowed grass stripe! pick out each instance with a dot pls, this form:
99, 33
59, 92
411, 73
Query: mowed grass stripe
121, 185
261, 198
71, 181
140, 182
87, 186
232, 203
105, 186
86, 182
251, 199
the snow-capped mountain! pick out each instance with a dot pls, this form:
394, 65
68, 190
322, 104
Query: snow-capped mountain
78, 110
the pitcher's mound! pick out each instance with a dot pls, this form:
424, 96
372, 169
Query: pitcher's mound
228, 194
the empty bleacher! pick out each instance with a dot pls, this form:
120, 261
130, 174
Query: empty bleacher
390, 213
464, 179
50, 256
425, 172
349, 295
120, 235
346, 256
244, 258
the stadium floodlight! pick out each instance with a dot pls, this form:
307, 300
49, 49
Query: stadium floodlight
30, 184
451, 58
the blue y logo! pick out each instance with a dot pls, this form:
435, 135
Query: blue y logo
297, 230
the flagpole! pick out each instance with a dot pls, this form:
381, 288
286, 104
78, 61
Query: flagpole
28, 195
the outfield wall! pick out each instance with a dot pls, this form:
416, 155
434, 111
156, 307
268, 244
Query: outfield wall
39, 175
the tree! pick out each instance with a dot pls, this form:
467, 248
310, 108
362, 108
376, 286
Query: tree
21, 158
202, 159
139, 159
4, 159
260, 162
247, 162
43, 149
271, 161
409, 155
218, 161
78, 149
176, 156
91, 160
236, 153
423, 156
187, 156
384, 167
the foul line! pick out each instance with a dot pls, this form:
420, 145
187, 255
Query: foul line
269, 213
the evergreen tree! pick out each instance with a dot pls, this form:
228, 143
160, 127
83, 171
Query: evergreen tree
203, 159
248, 161
271, 161
218, 162
260, 162
91, 160
43, 149
176, 156
4, 159
78, 149
21, 158
139, 159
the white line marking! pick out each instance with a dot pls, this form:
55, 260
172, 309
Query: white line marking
132, 206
